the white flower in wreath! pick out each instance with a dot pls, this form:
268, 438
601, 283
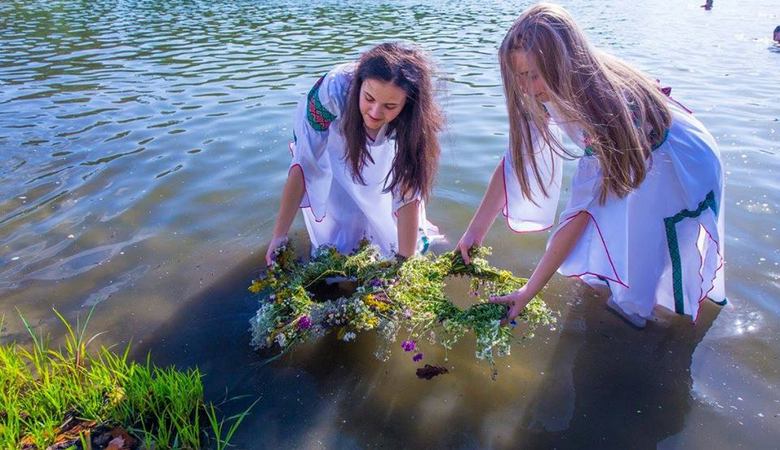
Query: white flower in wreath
261, 324
281, 339
349, 336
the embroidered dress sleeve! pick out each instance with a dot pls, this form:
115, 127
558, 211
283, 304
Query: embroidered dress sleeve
315, 120
399, 200
538, 212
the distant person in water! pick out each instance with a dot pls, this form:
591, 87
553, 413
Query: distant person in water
776, 34
365, 154
707, 5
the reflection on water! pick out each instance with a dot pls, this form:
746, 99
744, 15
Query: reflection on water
143, 148
595, 383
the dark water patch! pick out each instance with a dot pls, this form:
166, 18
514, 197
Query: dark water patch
133, 119
83, 130
108, 159
49, 174
32, 208
87, 113
170, 171
119, 135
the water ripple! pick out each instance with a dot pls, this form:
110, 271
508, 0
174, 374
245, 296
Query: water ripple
159, 128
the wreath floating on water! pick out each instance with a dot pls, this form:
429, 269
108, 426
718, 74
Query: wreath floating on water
396, 298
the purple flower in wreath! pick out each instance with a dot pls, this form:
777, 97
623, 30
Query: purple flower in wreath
417, 357
304, 323
408, 346
376, 282
407, 313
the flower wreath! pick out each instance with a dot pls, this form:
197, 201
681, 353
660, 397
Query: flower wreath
392, 297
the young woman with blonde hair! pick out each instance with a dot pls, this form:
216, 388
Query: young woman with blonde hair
365, 155
645, 215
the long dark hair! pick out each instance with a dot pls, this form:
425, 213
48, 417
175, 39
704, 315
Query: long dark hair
416, 127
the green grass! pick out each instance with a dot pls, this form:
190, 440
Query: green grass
163, 407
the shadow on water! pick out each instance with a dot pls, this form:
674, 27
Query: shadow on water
611, 386
603, 384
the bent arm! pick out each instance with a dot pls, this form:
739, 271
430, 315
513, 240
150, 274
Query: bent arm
560, 247
492, 203
408, 224
290, 202
291, 199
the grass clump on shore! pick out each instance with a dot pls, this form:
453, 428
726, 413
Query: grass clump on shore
69, 398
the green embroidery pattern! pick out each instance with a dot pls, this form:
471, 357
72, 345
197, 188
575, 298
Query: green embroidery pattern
319, 117
674, 247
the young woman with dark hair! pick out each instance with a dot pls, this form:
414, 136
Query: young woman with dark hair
365, 154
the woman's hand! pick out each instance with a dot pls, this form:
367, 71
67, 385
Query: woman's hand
273, 246
492, 202
408, 223
559, 248
468, 240
516, 301
288, 207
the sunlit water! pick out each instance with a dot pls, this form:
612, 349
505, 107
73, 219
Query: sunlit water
142, 153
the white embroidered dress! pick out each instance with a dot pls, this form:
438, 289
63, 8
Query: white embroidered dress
337, 210
662, 244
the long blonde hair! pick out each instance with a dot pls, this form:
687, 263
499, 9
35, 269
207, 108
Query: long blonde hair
621, 110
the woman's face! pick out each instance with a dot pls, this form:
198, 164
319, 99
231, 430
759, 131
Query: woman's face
528, 76
380, 102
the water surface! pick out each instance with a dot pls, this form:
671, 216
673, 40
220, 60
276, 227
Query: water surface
143, 150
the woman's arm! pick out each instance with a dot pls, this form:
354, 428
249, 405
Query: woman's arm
291, 200
492, 202
560, 247
408, 225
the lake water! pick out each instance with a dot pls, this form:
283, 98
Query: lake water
142, 155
